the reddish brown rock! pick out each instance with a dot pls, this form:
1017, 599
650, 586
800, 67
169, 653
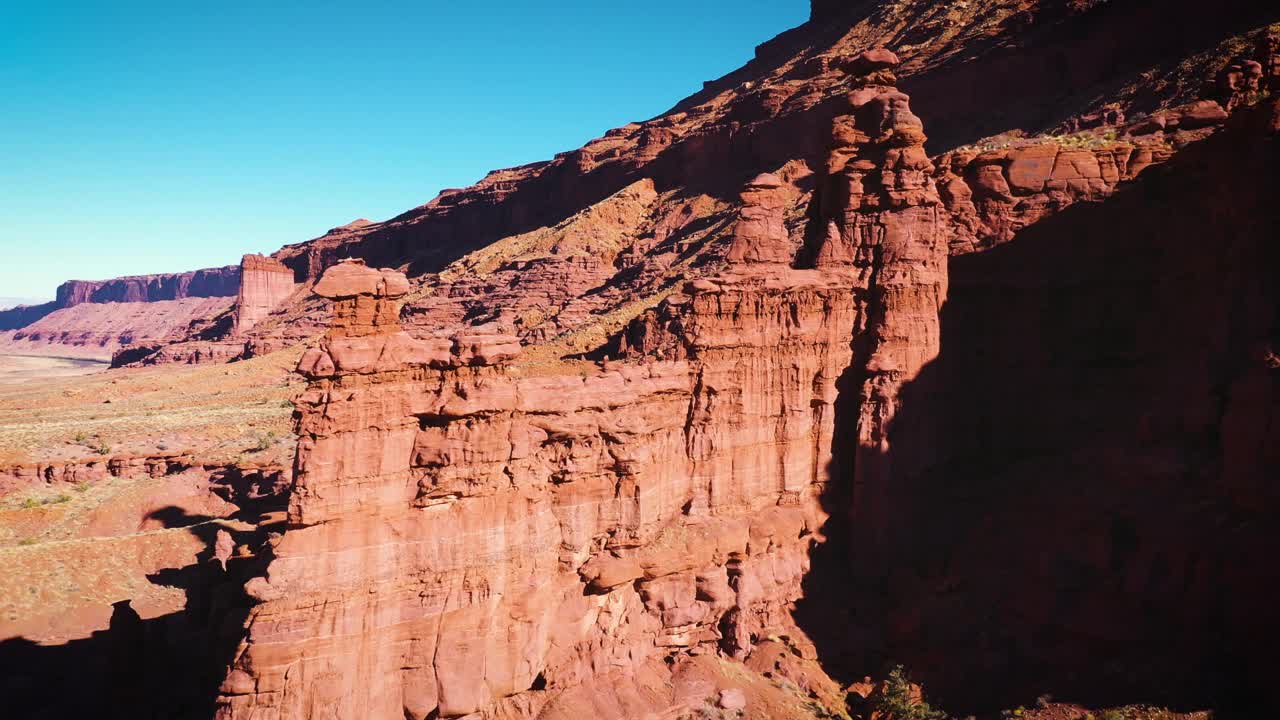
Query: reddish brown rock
529, 535
760, 235
264, 284
212, 282
98, 330
541, 486
871, 61
1269, 58
616, 516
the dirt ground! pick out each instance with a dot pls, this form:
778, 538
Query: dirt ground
19, 369
56, 410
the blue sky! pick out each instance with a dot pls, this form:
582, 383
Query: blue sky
141, 137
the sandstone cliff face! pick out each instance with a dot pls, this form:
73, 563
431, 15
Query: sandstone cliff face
96, 318
98, 330
1095, 437
653, 198
476, 533
530, 533
213, 282
264, 284
473, 535
759, 387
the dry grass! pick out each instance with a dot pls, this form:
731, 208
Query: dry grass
216, 412
53, 588
547, 356
602, 230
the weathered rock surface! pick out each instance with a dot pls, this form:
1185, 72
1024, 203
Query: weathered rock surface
1077, 471
264, 284
213, 282
996, 413
470, 535
99, 330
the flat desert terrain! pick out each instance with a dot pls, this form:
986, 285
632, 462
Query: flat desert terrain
18, 369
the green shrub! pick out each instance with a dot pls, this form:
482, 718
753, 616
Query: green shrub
265, 442
896, 700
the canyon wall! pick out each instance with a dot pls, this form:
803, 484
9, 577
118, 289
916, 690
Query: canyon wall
476, 533
652, 425
264, 284
211, 282
97, 331
473, 534
1079, 477
96, 318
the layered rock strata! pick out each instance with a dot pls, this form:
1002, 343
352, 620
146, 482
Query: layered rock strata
99, 330
264, 284
879, 214
211, 282
473, 535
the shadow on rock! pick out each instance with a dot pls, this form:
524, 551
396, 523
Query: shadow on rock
1081, 482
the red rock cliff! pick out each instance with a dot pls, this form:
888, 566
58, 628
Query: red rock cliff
212, 282
264, 284
470, 534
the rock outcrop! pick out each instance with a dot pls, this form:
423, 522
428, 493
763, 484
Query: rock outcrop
97, 318
99, 330
507, 542
879, 214
264, 284
755, 396
473, 535
476, 533
211, 282
1070, 478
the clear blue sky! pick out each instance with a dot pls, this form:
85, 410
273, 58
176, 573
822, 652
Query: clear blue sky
140, 137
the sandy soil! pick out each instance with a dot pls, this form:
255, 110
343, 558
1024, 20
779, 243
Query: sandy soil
218, 413
17, 369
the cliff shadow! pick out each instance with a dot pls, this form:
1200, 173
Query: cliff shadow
165, 667
162, 668
1079, 485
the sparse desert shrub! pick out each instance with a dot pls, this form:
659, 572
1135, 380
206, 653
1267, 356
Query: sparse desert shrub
30, 503
264, 442
103, 449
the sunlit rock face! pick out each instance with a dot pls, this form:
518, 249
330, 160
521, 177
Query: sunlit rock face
264, 284
480, 529
470, 534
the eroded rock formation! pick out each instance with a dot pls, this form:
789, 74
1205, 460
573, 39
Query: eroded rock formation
473, 535
264, 284
212, 282
1010, 408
